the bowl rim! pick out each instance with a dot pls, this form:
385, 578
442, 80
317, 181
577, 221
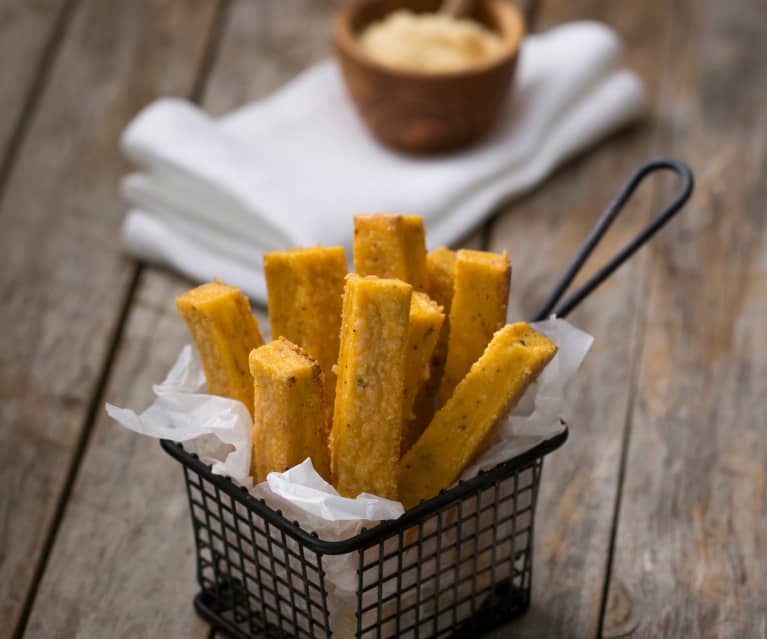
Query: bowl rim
347, 41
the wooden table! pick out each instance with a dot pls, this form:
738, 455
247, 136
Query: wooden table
652, 519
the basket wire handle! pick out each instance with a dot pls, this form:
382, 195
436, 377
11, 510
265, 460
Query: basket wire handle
600, 228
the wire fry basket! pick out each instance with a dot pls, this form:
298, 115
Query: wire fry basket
456, 565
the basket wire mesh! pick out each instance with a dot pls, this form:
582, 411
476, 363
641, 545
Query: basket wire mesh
458, 564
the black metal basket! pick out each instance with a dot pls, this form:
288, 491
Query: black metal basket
455, 565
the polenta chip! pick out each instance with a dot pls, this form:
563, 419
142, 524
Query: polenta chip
306, 287
478, 309
224, 331
440, 270
391, 246
369, 407
425, 322
465, 425
288, 416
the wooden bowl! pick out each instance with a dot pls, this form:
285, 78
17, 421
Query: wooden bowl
427, 112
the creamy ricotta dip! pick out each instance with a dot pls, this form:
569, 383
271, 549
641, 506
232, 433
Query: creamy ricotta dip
430, 42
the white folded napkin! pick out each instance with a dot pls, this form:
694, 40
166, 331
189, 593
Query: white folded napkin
291, 170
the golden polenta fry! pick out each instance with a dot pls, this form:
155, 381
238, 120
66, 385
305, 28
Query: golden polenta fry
478, 309
440, 267
391, 246
425, 322
288, 413
440, 270
367, 420
224, 331
466, 424
306, 287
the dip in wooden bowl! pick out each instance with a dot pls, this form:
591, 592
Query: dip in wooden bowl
428, 83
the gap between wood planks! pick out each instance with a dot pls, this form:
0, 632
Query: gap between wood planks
636, 359
97, 399
60, 25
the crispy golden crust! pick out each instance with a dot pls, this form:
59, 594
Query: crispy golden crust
440, 267
465, 425
306, 287
289, 416
425, 322
367, 420
391, 246
478, 309
224, 331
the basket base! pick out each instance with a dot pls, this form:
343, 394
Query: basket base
203, 605
506, 603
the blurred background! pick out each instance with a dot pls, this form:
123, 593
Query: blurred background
652, 519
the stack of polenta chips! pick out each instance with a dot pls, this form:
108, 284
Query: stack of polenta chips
392, 379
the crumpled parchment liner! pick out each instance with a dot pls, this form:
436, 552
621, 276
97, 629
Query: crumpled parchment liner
219, 431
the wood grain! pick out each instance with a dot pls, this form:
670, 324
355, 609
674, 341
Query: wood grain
28, 33
264, 45
124, 557
62, 279
128, 504
542, 233
691, 549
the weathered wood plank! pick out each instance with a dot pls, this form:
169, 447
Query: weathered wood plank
129, 500
27, 30
128, 506
691, 548
542, 233
266, 44
62, 279
112, 567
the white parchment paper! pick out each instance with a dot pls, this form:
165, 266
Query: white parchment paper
219, 431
